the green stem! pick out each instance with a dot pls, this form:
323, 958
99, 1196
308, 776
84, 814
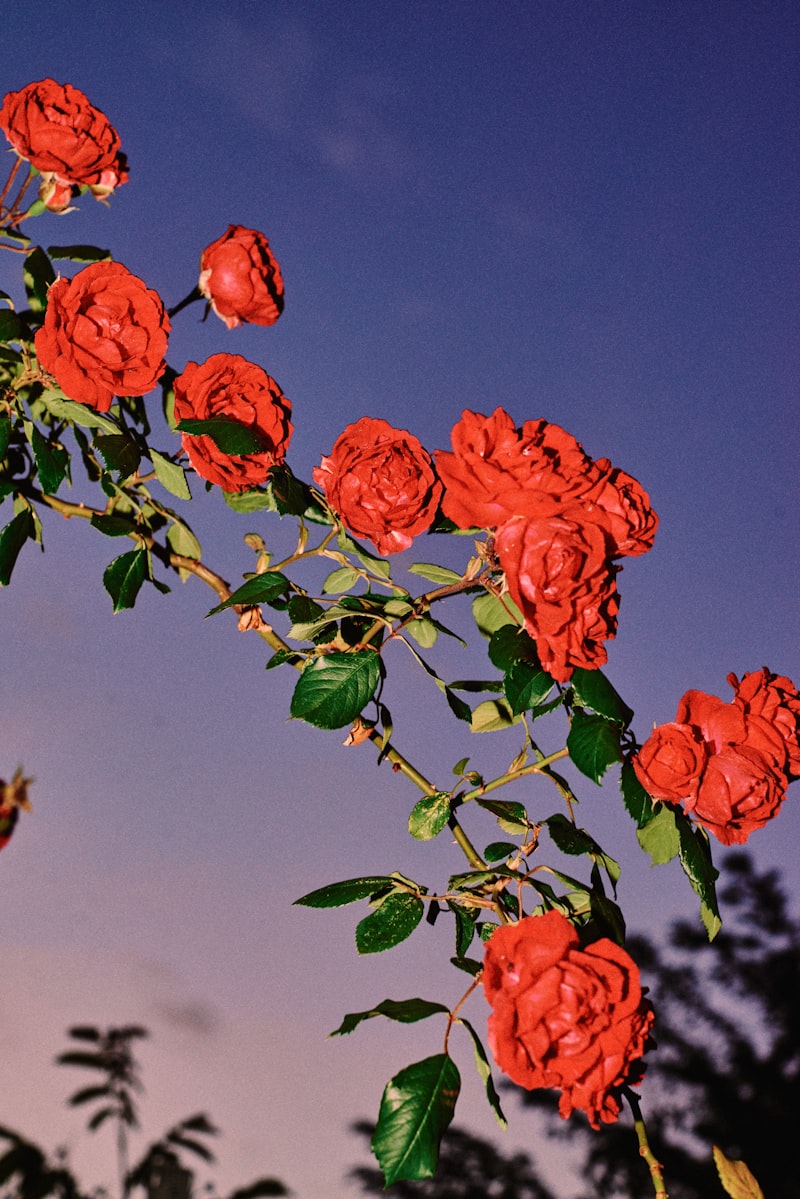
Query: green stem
653, 1165
540, 767
9, 182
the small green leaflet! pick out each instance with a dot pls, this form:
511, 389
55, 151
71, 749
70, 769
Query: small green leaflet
119, 452
52, 462
337, 895
228, 435
340, 580
123, 578
171, 476
637, 802
416, 1110
511, 816
490, 613
695, 856
436, 574
393, 921
526, 686
492, 715
37, 275
736, 1177
5, 435
334, 688
429, 816
407, 1011
660, 837
593, 690
80, 253
12, 539
261, 589
485, 1071
12, 328
79, 414
593, 744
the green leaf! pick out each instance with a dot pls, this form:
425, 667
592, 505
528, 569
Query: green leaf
12, 327
736, 1177
251, 501
171, 476
490, 613
637, 802
424, 631
429, 816
437, 574
491, 716
37, 275
182, 541
511, 816
12, 539
119, 452
52, 462
510, 644
593, 690
485, 1071
695, 857
593, 744
337, 895
228, 435
526, 686
465, 926
393, 921
407, 1011
113, 526
340, 580
660, 837
334, 688
123, 578
416, 1109
5, 435
460, 709
261, 589
79, 414
293, 497
79, 253
498, 850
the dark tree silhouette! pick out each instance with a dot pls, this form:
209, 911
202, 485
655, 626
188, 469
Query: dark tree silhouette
27, 1173
469, 1168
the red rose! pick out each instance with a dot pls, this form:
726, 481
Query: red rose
671, 761
67, 139
627, 514
563, 1016
738, 793
497, 471
227, 385
766, 697
241, 278
382, 484
558, 573
104, 334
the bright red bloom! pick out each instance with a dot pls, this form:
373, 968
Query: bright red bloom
566, 1017
241, 278
382, 484
671, 761
739, 792
228, 386
559, 575
773, 698
497, 471
631, 522
104, 335
69, 141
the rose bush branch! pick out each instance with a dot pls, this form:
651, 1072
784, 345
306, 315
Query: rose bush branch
550, 525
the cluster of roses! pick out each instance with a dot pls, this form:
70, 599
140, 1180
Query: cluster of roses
729, 764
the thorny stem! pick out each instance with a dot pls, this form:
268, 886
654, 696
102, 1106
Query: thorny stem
653, 1165
9, 182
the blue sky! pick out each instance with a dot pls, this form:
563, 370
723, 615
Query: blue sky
577, 211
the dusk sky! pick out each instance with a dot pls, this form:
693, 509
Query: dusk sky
581, 211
